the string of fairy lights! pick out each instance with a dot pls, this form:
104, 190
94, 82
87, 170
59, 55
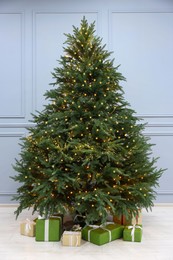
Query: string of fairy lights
85, 147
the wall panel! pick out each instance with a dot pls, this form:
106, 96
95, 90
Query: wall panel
164, 144
9, 143
142, 44
48, 30
140, 34
11, 65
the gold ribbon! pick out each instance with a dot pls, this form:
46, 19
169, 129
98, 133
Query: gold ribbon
133, 230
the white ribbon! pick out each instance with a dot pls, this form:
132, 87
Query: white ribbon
41, 217
28, 225
110, 234
46, 230
133, 230
46, 227
108, 223
101, 226
89, 231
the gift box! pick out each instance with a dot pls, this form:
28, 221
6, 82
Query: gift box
103, 234
134, 220
71, 238
133, 233
27, 228
118, 219
49, 229
122, 220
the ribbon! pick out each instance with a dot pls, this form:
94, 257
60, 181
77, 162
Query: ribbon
28, 225
89, 231
46, 227
41, 217
104, 227
133, 231
108, 223
76, 228
101, 226
46, 230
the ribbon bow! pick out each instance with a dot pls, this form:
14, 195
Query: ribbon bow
133, 230
28, 225
108, 223
41, 217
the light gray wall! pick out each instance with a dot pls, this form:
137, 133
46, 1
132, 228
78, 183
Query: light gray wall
140, 33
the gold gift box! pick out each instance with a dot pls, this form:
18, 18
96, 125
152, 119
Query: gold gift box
135, 220
27, 228
71, 238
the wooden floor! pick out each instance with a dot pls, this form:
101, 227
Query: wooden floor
157, 242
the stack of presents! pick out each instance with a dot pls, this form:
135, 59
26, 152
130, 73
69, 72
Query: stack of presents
55, 229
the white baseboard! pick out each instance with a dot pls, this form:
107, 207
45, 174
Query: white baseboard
9, 205
163, 204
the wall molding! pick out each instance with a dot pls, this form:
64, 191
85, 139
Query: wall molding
157, 11
8, 193
13, 134
158, 133
22, 65
16, 125
10, 205
159, 125
165, 192
155, 116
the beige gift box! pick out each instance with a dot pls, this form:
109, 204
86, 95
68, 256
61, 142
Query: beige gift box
71, 238
27, 228
135, 220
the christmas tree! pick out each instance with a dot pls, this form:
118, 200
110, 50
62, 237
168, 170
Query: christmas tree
86, 154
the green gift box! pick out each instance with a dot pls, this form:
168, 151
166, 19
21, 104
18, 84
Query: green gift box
100, 235
133, 233
48, 229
